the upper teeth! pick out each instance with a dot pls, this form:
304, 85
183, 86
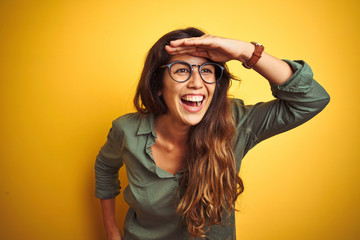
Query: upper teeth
193, 98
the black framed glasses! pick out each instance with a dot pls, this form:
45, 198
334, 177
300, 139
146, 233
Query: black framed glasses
181, 71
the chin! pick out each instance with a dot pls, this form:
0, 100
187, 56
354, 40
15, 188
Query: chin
193, 120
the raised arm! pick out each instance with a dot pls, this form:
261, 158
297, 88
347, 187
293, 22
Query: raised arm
299, 96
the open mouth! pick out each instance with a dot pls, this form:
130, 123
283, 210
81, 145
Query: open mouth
192, 101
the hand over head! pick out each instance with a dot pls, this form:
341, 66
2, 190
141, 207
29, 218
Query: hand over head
215, 48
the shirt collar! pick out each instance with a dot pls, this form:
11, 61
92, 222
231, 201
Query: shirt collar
147, 125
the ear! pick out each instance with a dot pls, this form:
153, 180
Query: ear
159, 93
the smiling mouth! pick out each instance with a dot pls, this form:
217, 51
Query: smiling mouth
192, 101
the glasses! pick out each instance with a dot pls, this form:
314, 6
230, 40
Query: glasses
181, 71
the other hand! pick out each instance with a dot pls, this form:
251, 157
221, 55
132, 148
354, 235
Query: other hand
115, 234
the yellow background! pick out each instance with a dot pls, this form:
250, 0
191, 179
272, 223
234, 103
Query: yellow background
68, 68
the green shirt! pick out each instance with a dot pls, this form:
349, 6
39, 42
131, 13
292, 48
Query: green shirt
152, 192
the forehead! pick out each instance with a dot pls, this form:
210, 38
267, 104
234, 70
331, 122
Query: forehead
188, 58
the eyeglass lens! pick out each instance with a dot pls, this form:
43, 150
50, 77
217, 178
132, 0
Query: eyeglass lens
209, 72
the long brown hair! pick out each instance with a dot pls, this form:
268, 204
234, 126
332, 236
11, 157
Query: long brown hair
210, 184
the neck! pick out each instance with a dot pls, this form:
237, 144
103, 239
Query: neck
171, 131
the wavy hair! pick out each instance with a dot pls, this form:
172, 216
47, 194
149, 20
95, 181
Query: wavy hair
210, 184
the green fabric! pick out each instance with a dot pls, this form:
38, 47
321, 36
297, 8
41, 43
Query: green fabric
152, 192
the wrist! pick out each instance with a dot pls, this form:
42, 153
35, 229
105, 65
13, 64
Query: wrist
113, 234
246, 53
259, 49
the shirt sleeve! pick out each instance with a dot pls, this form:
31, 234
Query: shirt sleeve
297, 100
107, 165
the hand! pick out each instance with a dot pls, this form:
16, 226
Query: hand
114, 234
216, 48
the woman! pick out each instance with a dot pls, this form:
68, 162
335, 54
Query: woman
183, 148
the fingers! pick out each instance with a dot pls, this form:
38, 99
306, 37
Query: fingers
177, 43
215, 48
206, 41
194, 51
180, 49
192, 45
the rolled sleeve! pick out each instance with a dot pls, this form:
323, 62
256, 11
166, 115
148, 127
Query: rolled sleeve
298, 99
301, 87
299, 82
107, 165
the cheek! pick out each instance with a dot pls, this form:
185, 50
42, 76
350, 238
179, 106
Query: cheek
211, 91
169, 94
213, 95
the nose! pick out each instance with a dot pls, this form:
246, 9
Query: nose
195, 80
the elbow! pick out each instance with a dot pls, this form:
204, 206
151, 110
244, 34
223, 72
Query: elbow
320, 97
327, 98
320, 104
313, 108
324, 101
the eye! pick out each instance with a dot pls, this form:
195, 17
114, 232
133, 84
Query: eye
182, 70
207, 70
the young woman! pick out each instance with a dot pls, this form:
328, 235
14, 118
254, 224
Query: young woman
183, 147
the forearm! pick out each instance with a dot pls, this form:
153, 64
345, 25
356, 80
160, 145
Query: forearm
273, 69
109, 218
